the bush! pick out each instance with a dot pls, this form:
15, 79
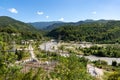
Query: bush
114, 63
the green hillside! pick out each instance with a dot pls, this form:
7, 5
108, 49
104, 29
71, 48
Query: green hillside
97, 32
10, 26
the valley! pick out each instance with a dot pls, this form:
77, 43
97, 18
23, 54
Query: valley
90, 49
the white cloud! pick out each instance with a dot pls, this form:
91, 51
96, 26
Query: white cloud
40, 12
94, 12
47, 17
13, 10
61, 19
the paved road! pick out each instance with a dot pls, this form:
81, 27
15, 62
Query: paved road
32, 56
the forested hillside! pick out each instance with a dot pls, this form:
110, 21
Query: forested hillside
97, 32
9, 26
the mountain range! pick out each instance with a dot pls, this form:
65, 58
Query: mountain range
54, 24
99, 31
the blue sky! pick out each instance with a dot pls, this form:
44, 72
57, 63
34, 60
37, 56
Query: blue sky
60, 10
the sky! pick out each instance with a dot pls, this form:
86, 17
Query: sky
60, 10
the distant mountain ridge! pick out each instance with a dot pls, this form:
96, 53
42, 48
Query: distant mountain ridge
44, 25
55, 24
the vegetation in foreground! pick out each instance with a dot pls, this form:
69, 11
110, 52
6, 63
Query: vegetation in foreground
63, 70
103, 51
